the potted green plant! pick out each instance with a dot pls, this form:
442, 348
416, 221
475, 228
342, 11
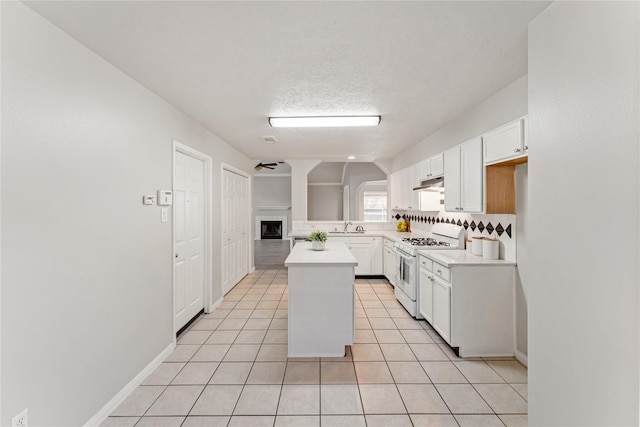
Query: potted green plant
318, 239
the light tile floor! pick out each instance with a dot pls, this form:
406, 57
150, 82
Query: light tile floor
231, 369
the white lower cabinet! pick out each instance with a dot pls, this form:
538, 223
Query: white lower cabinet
362, 252
367, 250
470, 306
377, 267
425, 289
442, 308
389, 261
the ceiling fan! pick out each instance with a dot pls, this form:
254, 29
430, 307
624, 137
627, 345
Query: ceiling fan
261, 165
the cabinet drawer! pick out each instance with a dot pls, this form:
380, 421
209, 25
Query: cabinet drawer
426, 264
388, 243
442, 271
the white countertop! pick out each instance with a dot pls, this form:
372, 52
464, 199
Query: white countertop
389, 234
452, 258
335, 253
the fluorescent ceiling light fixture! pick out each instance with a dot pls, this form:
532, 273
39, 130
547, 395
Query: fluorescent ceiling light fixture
323, 122
351, 157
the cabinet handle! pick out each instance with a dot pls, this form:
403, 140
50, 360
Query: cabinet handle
526, 147
439, 271
516, 150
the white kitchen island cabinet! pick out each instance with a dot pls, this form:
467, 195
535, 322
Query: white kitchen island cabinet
321, 300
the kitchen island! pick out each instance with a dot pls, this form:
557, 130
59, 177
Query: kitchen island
321, 300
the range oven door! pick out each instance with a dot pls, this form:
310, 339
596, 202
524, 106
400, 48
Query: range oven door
406, 283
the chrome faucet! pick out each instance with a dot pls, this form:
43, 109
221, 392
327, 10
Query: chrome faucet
346, 226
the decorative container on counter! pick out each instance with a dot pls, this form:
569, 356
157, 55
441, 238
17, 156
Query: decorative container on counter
318, 238
317, 245
490, 248
476, 245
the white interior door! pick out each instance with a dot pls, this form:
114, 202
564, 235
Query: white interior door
242, 216
235, 214
188, 226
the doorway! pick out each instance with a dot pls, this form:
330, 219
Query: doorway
191, 233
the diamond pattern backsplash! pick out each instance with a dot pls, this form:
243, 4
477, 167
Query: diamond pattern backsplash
499, 228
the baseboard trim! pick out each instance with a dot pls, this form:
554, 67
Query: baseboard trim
522, 358
107, 409
215, 305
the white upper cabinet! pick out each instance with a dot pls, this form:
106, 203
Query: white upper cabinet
432, 167
472, 176
464, 177
437, 165
415, 182
452, 180
506, 142
397, 193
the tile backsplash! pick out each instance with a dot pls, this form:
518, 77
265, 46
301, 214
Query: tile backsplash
496, 226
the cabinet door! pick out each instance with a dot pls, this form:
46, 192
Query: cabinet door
425, 295
437, 165
397, 195
362, 252
504, 143
376, 256
442, 308
407, 188
452, 184
425, 169
390, 265
415, 182
472, 176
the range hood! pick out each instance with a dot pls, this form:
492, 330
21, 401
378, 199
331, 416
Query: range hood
433, 184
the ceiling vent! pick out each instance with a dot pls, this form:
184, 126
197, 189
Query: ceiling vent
269, 139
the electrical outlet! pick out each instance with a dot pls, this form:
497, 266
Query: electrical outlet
21, 420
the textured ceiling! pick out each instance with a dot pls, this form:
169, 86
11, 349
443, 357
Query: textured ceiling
230, 65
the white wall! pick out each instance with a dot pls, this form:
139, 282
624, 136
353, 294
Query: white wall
356, 174
522, 258
583, 192
86, 268
299, 171
272, 191
325, 202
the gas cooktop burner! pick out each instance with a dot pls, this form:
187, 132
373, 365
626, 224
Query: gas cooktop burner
423, 241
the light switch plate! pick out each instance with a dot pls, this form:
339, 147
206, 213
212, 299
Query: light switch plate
149, 200
165, 197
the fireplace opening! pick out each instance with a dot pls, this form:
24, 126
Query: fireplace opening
271, 229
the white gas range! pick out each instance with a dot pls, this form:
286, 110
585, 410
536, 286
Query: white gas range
443, 236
